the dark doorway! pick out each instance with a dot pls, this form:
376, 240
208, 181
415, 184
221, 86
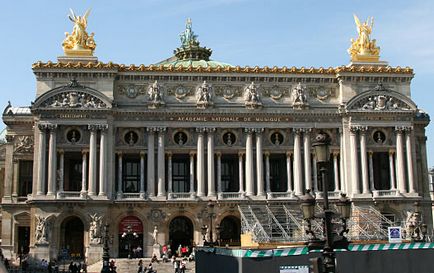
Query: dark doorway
73, 238
230, 233
23, 240
130, 237
381, 164
180, 233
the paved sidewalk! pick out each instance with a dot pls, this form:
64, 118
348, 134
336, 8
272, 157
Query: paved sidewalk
130, 266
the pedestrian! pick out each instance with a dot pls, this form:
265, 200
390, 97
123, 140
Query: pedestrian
112, 266
6, 262
175, 264
182, 266
150, 269
84, 267
140, 266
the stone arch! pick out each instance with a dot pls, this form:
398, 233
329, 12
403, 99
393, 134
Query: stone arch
72, 95
130, 236
230, 230
22, 232
72, 238
181, 232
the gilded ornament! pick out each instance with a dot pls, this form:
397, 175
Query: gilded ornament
79, 43
363, 49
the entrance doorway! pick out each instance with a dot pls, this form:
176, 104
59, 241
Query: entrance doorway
230, 230
130, 237
180, 233
23, 240
72, 243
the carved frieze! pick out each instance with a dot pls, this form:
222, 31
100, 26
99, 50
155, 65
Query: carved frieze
74, 99
179, 91
381, 103
321, 92
24, 144
131, 90
228, 91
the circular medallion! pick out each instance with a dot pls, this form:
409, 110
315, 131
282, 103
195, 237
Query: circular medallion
276, 138
181, 92
131, 138
131, 92
73, 136
379, 137
322, 93
276, 93
229, 138
180, 138
228, 93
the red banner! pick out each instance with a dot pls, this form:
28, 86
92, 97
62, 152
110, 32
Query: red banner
132, 221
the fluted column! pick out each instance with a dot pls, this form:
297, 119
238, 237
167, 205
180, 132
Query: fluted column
151, 162
371, 169
219, 173
161, 163
392, 170
400, 160
364, 161
61, 172
307, 158
409, 152
267, 172
142, 174
241, 172
298, 179
336, 170
83, 191
103, 161
191, 172
16, 164
40, 185
52, 160
210, 162
289, 188
200, 168
249, 163
341, 160
259, 162
315, 174
120, 191
92, 160
354, 160
169, 173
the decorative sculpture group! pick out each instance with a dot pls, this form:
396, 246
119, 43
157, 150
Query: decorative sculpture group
41, 233
252, 97
95, 233
363, 49
79, 42
204, 95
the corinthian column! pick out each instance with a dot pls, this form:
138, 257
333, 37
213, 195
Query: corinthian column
307, 158
219, 173
354, 160
336, 170
142, 174
267, 172
364, 161
240, 172
103, 161
400, 160
83, 191
249, 163
92, 160
200, 169
52, 160
151, 163
409, 152
392, 170
259, 162
40, 185
191, 172
298, 179
289, 172
161, 163
169, 173
210, 154
61, 172
119, 193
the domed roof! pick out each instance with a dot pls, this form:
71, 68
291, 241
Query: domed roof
190, 53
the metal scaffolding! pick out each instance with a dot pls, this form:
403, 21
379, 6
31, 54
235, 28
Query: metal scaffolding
284, 223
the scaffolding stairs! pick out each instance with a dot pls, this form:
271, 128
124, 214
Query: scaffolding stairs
284, 223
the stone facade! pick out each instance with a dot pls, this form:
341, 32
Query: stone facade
153, 144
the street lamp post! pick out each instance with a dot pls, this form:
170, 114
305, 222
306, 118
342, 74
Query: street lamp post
129, 236
106, 255
211, 216
331, 241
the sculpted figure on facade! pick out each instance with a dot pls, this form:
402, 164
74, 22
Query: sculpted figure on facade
79, 42
74, 99
155, 235
24, 144
382, 103
204, 95
251, 96
155, 95
187, 36
363, 48
41, 233
300, 99
95, 228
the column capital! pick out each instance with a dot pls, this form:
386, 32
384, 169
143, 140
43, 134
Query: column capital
363, 129
52, 127
289, 153
401, 129
335, 153
249, 130
297, 131
93, 127
391, 152
306, 130
201, 130
192, 153
84, 151
258, 130
169, 154
151, 129
102, 127
119, 153
160, 129
267, 153
42, 126
370, 153
240, 154
61, 151
142, 153
210, 130
219, 154
354, 129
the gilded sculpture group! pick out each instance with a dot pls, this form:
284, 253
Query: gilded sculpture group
80, 43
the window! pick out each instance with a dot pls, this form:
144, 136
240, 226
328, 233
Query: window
229, 173
381, 171
181, 173
74, 175
278, 179
25, 177
229, 138
131, 138
131, 175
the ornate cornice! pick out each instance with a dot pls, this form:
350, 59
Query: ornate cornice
235, 69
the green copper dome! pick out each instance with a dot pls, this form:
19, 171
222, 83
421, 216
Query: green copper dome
191, 54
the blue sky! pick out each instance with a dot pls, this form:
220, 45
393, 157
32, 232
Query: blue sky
240, 32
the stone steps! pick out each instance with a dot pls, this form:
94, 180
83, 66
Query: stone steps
130, 266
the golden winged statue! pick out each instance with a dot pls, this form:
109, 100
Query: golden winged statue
79, 42
363, 49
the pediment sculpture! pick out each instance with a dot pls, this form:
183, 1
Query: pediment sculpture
155, 94
300, 98
204, 94
252, 96
74, 99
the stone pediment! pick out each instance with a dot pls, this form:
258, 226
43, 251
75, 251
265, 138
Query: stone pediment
73, 95
380, 99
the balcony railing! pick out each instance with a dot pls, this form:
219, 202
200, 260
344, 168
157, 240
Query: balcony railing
385, 193
230, 195
280, 195
181, 196
71, 195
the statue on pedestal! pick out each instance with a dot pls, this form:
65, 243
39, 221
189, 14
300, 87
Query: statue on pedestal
363, 48
41, 234
79, 42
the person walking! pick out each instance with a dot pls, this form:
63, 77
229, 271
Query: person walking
140, 266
